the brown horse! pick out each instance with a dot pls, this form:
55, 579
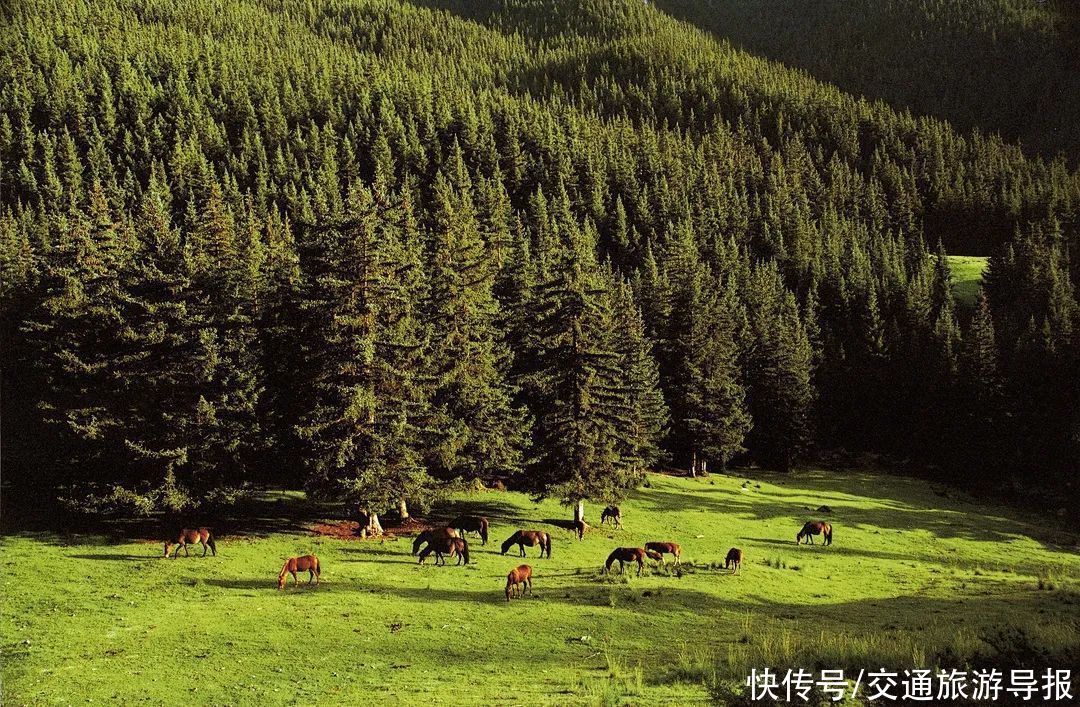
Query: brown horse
519, 578
308, 563
472, 524
733, 559
812, 528
631, 554
580, 527
613, 514
446, 546
190, 536
427, 536
669, 548
531, 538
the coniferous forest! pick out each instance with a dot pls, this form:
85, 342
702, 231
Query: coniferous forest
368, 247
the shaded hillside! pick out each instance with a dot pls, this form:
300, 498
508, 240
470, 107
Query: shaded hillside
1005, 66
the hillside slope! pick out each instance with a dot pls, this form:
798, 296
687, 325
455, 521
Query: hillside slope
1005, 66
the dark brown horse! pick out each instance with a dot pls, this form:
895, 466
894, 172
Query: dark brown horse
446, 546
812, 528
631, 554
733, 559
190, 536
613, 514
427, 536
519, 578
306, 563
531, 538
666, 548
472, 524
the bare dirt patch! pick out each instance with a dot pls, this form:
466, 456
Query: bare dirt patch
350, 529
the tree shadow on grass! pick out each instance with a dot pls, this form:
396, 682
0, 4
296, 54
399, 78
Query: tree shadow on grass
843, 495
498, 512
116, 558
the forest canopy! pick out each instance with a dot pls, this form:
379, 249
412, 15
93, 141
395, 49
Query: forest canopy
369, 246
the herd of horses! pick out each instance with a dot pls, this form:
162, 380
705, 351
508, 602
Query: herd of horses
449, 541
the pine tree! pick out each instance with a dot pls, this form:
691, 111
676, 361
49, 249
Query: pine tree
367, 402
480, 433
578, 392
777, 372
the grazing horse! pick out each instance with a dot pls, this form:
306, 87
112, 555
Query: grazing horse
431, 534
613, 514
631, 554
190, 536
472, 524
812, 528
446, 546
531, 538
662, 548
580, 527
733, 559
519, 578
308, 563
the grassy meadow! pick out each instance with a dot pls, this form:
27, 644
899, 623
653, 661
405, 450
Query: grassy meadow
915, 573
967, 272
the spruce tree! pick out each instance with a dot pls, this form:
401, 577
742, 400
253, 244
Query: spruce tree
367, 400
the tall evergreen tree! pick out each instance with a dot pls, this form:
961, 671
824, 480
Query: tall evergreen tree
367, 402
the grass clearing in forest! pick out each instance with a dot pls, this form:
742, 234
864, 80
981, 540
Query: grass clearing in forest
967, 272
915, 572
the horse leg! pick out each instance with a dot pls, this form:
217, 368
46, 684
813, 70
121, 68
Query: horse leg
186, 553
203, 547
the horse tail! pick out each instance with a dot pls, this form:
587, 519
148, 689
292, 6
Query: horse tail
547, 541
465, 551
484, 530
828, 534
211, 543
317, 567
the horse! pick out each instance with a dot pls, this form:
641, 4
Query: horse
613, 514
519, 578
446, 546
472, 524
672, 548
733, 559
531, 538
190, 536
812, 528
631, 554
427, 536
580, 527
308, 563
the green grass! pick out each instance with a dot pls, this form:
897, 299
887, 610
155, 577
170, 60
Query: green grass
967, 272
913, 574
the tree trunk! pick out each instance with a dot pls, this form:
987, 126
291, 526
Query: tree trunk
403, 510
693, 463
369, 524
704, 467
579, 511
